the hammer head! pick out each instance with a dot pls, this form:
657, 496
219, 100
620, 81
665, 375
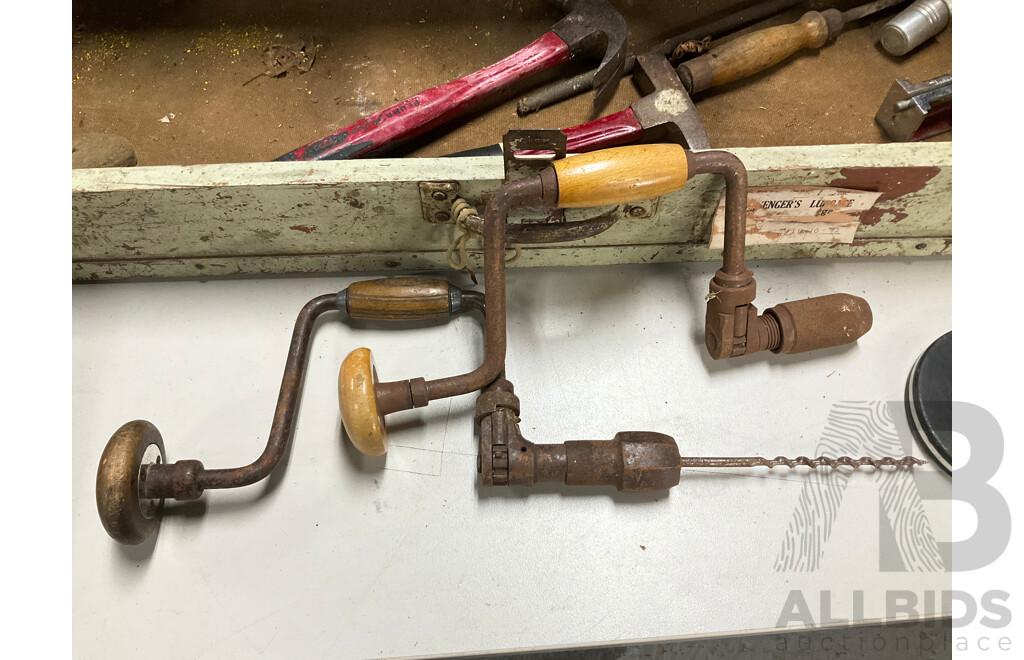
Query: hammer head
666, 112
595, 26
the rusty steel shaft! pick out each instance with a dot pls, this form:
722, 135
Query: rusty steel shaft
820, 461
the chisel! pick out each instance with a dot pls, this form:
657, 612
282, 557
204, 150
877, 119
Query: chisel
759, 51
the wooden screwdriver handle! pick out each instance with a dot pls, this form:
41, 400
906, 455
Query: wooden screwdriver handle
759, 51
620, 175
399, 299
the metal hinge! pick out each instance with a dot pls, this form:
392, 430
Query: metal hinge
436, 199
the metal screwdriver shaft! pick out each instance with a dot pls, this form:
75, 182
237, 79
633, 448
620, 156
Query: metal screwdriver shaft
820, 461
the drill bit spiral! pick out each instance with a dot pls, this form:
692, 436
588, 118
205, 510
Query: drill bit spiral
820, 461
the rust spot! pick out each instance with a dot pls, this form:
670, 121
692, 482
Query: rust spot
305, 229
892, 182
392, 264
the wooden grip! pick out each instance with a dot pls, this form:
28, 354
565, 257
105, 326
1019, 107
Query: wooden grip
758, 51
360, 414
620, 175
399, 299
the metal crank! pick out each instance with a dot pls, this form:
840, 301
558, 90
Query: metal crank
134, 476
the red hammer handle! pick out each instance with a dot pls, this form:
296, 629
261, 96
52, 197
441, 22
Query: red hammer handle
421, 112
610, 131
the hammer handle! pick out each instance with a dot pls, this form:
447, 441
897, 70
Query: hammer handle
428, 109
609, 131
759, 51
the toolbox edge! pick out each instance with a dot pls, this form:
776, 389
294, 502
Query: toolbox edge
339, 216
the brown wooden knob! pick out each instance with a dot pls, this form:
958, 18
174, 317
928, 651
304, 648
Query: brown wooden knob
360, 413
759, 51
128, 518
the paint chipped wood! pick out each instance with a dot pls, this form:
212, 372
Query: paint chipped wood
341, 216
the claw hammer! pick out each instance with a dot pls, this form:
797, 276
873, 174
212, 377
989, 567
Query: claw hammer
667, 113
589, 25
664, 114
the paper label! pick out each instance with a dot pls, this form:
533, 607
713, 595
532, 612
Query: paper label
798, 214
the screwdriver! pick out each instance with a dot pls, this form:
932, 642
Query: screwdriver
759, 51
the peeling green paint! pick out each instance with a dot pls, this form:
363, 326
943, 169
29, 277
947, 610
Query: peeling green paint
254, 218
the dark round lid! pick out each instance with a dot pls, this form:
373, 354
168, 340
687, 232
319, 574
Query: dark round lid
928, 400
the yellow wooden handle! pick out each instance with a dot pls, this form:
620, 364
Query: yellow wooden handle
399, 299
758, 51
620, 175
359, 412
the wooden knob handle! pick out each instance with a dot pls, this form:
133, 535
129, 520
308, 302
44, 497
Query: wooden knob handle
360, 414
620, 175
758, 51
399, 299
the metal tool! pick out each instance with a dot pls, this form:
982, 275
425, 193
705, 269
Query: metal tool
916, 24
134, 477
912, 112
632, 461
570, 87
664, 114
759, 51
617, 176
589, 25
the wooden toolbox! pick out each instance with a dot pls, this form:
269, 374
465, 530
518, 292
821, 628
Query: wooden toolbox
205, 202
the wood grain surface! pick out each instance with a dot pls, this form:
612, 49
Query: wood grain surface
758, 51
399, 299
360, 416
620, 175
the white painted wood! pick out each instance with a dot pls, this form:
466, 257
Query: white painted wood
270, 218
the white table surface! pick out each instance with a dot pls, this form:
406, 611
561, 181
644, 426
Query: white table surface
344, 556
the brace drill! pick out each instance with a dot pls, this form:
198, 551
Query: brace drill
134, 477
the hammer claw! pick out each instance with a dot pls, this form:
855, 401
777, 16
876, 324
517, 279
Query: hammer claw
606, 78
595, 26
